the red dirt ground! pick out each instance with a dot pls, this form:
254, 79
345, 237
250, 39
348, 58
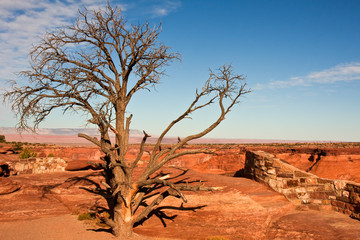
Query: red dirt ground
46, 206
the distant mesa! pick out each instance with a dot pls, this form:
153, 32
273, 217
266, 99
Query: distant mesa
60, 136
62, 131
69, 136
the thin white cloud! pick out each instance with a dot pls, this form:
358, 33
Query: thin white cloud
340, 73
22, 22
165, 8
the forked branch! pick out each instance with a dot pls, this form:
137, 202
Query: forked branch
226, 88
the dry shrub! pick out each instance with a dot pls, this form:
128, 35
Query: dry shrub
217, 238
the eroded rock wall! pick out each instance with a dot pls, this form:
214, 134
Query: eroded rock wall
303, 188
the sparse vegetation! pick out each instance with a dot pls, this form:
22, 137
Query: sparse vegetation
51, 155
86, 216
18, 146
2, 139
27, 153
217, 238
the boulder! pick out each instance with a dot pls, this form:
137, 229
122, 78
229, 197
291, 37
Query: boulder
79, 165
6, 170
7, 150
7, 186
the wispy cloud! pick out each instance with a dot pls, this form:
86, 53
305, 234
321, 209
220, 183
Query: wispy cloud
165, 8
340, 73
23, 22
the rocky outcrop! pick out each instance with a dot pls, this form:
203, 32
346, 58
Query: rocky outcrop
8, 186
303, 188
5, 170
78, 165
342, 164
6, 150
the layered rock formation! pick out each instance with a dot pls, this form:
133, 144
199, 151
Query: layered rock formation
303, 188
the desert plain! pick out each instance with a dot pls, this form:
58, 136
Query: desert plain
49, 205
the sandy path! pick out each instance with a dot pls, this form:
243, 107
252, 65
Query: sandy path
241, 209
63, 227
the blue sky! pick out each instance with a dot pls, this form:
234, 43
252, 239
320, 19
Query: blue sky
301, 59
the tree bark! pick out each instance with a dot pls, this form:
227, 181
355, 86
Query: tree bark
123, 229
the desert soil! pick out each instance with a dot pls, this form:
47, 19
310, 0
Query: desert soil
45, 207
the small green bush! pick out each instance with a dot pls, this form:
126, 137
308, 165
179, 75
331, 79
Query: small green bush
51, 155
2, 139
86, 216
27, 153
217, 238
18, 146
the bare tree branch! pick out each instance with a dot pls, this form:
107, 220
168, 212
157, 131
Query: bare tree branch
90, 139
225, 85
138, 157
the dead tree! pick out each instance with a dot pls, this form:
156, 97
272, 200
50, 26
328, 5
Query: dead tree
87, 67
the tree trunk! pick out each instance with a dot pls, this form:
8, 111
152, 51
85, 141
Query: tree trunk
123, 227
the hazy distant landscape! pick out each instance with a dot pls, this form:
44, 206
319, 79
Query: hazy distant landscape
68, 136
